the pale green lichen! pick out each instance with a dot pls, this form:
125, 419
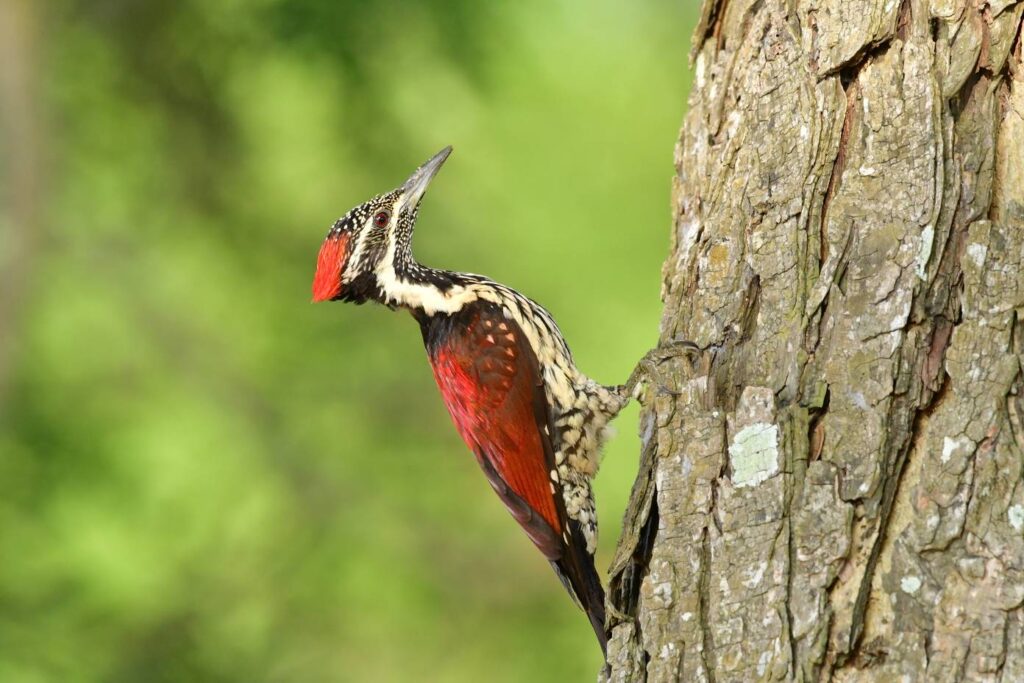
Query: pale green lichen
910, 584
924, 251
1016, 515
754, 454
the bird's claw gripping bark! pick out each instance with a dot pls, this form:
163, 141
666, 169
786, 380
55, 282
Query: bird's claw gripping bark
647, 369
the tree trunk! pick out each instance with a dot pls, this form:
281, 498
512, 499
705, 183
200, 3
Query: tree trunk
836, 491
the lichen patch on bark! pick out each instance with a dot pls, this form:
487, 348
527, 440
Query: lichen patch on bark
754, 454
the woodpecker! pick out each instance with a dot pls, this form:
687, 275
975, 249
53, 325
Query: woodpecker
533, 420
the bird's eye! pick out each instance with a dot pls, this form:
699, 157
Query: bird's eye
381, 219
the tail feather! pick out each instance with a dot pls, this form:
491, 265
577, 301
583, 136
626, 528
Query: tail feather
579, 576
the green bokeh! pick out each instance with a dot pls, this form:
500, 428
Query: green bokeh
203, 476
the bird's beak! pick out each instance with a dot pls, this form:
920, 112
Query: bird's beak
416, 186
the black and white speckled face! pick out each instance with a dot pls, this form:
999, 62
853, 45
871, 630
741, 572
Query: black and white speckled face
367, 246
372, 227
353, 249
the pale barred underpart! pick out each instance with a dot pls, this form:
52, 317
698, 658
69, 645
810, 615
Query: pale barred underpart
579, 504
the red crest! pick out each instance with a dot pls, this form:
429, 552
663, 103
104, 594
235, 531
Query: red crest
329, 265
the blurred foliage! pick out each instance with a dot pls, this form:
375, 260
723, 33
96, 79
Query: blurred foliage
202, 476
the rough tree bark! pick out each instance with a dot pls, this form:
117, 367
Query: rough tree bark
836, 492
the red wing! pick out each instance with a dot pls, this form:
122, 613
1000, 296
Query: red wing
491, 383
489, 378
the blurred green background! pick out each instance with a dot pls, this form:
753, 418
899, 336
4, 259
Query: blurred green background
202, 476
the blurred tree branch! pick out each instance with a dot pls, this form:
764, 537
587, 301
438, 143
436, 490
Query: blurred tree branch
20, 175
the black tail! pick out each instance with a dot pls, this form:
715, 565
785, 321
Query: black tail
579, 576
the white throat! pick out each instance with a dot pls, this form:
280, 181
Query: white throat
401, 292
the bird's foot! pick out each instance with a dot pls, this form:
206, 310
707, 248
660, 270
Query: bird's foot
647, 370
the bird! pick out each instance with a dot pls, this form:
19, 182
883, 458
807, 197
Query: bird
533, 420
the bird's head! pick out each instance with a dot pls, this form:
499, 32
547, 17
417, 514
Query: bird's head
372, 240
